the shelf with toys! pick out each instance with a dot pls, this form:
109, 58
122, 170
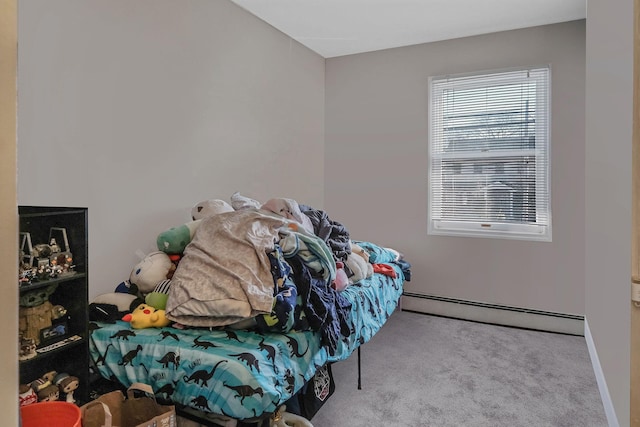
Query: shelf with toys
53, 304
27, 286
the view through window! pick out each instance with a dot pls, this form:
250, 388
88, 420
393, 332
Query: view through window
489, 155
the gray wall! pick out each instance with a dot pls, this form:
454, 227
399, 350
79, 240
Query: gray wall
609, 94
376, 150
139, 110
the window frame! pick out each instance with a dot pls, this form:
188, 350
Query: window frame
480, 228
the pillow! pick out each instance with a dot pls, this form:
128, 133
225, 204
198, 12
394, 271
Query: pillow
378, 254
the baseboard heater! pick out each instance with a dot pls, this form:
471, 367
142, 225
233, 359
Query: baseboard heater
494, 313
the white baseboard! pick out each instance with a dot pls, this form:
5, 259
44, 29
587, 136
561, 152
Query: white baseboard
609, 411
496, 314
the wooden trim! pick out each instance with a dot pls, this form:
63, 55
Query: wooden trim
8, 208
635, 234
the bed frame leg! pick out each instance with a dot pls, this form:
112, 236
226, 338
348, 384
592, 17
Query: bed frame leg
359, 371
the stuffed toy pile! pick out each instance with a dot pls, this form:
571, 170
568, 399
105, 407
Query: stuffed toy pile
141, 299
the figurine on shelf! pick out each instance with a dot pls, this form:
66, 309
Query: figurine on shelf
25, 277
58, 312
35, 312
27, 348
50, 376
49, 271
48, 393
67, 384
27, 396
66, 262
39, 384
55, 249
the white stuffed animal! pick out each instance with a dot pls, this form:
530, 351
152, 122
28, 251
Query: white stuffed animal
358, 263
209, 208
154, 268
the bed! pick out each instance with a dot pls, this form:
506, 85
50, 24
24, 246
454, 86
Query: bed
228, 373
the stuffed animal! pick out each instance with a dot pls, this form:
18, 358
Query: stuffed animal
176, 239
358, 262
145, 316
154, 268
126, 287
209, 208
158, 297
341, 281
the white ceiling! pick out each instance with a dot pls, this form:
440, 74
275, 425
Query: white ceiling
343, 27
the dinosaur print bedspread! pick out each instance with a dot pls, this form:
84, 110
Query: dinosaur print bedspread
237, 373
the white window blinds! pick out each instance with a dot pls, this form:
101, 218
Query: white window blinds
489, 155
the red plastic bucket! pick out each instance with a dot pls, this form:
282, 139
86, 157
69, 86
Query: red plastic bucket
51, 414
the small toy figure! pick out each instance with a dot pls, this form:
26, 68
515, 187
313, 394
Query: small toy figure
50, 376
49, 393
27, 348
67, 384
68, 266
40, 384
27, 396
54, 246
57, 312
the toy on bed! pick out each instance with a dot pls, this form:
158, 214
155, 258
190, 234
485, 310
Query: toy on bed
146, 316
151, 270
151, 314
174, 240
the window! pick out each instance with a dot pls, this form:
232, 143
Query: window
489, 155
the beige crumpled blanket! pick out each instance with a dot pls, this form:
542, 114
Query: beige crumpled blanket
224, 275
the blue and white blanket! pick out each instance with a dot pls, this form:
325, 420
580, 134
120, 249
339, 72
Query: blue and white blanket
241, 374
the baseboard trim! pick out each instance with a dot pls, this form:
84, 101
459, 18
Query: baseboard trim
494, 313
609, 410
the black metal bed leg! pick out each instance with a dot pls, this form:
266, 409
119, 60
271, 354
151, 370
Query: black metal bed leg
359, 371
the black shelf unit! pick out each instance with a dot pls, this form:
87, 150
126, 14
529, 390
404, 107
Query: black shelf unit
71, 292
